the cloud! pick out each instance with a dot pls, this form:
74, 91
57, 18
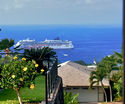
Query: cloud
12, 4
60, 11
19, 4
88, 1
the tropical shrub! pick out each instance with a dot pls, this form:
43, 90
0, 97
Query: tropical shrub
4, 60
111, 68
19, 73
5, 44
118, 77
109, 64
97, 76
44, 57
69, 98
118, 85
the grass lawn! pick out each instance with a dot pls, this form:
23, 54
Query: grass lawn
37, 94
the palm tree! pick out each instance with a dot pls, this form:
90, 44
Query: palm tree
119, 57
96, 77
5, 44
109, 64
43, 57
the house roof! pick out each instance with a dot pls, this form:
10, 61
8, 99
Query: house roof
74, 74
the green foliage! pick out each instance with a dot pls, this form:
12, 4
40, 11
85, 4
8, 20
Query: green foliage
118, 99
118, 87
37, 94
41, 56
105, 70
117, 78
5, 43
4, 60
81, 62
97, 76
17, 73
109, 64
119, 57
70, 99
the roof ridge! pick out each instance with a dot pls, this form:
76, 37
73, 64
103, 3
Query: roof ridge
84, 70
80, 70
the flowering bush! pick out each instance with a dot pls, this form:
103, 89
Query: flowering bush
19, 73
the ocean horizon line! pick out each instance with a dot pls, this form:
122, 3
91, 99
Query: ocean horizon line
80, 25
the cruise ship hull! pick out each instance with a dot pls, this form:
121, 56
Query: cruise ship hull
55, 44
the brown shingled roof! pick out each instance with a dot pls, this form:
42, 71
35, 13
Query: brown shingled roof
74, 74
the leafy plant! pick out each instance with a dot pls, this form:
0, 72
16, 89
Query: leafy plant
118, 85
17, 74
109, 64
6, 59
44, 57
119, 57
5, 44
9, 96
69, 98
96, 77
81, 62
105, 70
117, 78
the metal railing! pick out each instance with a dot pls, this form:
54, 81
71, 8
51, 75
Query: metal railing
51, 80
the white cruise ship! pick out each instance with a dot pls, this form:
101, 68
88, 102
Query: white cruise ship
55, 44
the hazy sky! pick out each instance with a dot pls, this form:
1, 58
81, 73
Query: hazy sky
61, 12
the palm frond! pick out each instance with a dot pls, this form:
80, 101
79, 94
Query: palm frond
92, 83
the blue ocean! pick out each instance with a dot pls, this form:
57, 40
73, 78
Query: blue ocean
89, 41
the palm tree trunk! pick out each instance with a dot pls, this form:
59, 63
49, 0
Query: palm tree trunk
18, 95
110, 92
7, 51
104, 91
